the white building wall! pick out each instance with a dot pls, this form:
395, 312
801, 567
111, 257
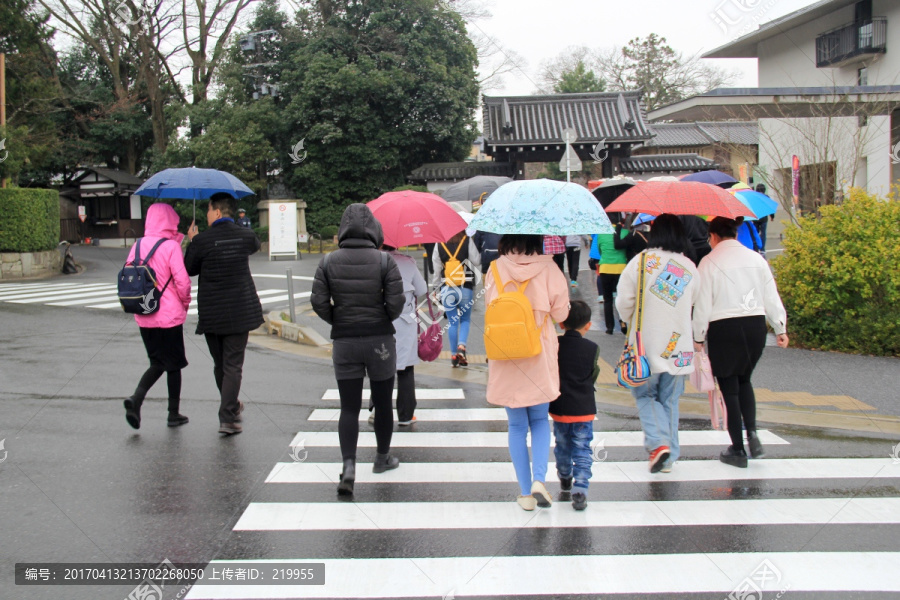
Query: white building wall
789, 60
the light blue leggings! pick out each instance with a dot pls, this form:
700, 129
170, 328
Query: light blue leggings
520, 419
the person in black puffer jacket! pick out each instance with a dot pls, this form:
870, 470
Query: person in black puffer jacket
227, 303
358, 290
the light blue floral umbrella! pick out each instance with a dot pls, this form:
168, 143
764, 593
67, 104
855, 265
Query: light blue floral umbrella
542, 207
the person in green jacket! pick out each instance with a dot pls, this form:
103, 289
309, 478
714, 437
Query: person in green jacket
612, 263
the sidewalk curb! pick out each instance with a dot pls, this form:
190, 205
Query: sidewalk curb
690, 406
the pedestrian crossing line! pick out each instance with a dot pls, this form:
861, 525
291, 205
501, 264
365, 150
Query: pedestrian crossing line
421, 394
578, 575
113, 295
262, 298
39, 295
85, 297
424, 414
341, 516
9, 287
490, 439
284, 277
602, 472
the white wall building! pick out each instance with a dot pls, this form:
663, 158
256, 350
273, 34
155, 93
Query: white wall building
829, 93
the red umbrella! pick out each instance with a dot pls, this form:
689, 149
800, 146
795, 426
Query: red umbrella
680, 198
409, 218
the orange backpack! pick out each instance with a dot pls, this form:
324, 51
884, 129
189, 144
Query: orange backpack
510, 331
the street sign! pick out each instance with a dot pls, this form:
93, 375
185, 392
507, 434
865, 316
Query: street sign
570, 135
570, 160
82, 214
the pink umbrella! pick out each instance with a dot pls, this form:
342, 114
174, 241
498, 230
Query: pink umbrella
409, 218
680, 198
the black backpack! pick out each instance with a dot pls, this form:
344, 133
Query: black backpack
138, 291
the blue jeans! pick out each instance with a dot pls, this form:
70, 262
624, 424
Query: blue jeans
573, 452
457, 303
520, 419
657, 403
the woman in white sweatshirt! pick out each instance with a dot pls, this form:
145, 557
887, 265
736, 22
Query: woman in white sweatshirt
737, 295
670, 285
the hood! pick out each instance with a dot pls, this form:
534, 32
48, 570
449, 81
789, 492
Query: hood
526, 266
361, 226
162, 221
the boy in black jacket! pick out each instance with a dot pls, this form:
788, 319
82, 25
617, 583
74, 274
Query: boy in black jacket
574, 411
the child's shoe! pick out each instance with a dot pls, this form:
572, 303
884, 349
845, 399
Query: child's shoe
565, 489
579, 501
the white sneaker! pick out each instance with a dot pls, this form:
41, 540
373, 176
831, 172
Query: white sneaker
526, 502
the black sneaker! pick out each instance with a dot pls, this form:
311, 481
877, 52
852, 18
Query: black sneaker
176, 420
735, 458
756, 449
565, 489
133, 412
579, 501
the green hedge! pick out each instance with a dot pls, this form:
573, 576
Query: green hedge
839, 277
29, 220
328, 232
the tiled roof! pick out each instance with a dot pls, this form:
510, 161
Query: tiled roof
115, 175
460, 170
662, 163
541, 119
672, 135
732, 132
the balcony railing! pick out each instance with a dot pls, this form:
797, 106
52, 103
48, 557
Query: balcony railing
838, 46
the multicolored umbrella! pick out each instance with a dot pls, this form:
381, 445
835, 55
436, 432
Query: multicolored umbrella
410, 217
680, 198
542, 207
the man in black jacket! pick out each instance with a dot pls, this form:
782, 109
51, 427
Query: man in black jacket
227, 302
358, 290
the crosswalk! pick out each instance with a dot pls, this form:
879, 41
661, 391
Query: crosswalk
445, 524
103, 295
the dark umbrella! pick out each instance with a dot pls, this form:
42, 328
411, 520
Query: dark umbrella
711, 177
611, 189
472, 188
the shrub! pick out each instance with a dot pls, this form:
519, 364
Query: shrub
839, 276
29, 220
262, 233
328, 232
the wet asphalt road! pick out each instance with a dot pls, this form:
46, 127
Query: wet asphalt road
78, 485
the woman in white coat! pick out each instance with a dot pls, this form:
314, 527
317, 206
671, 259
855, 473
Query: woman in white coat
407, 337
737, 296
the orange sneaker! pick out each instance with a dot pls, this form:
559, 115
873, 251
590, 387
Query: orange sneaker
658, 458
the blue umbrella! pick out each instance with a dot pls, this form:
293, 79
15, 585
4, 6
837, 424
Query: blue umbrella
542, 207
760, 204
192, 183
643, 218
711, 177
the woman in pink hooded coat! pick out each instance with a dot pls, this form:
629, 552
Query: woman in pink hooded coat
162, 331
527, 386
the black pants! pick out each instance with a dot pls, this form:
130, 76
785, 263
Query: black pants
406, 394
608, 283
573, 255
151, 376
350, 391
560, 260
227, 352
735, 346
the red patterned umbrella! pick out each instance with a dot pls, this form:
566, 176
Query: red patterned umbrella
680, 198
410, 217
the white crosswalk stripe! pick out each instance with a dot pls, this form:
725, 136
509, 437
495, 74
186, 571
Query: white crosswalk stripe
692, 571
498, 439
103, 295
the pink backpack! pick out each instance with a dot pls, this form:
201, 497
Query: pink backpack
431, 341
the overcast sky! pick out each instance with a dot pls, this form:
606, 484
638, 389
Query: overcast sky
541, 29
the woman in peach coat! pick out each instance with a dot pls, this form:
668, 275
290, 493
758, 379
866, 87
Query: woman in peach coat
527, 386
